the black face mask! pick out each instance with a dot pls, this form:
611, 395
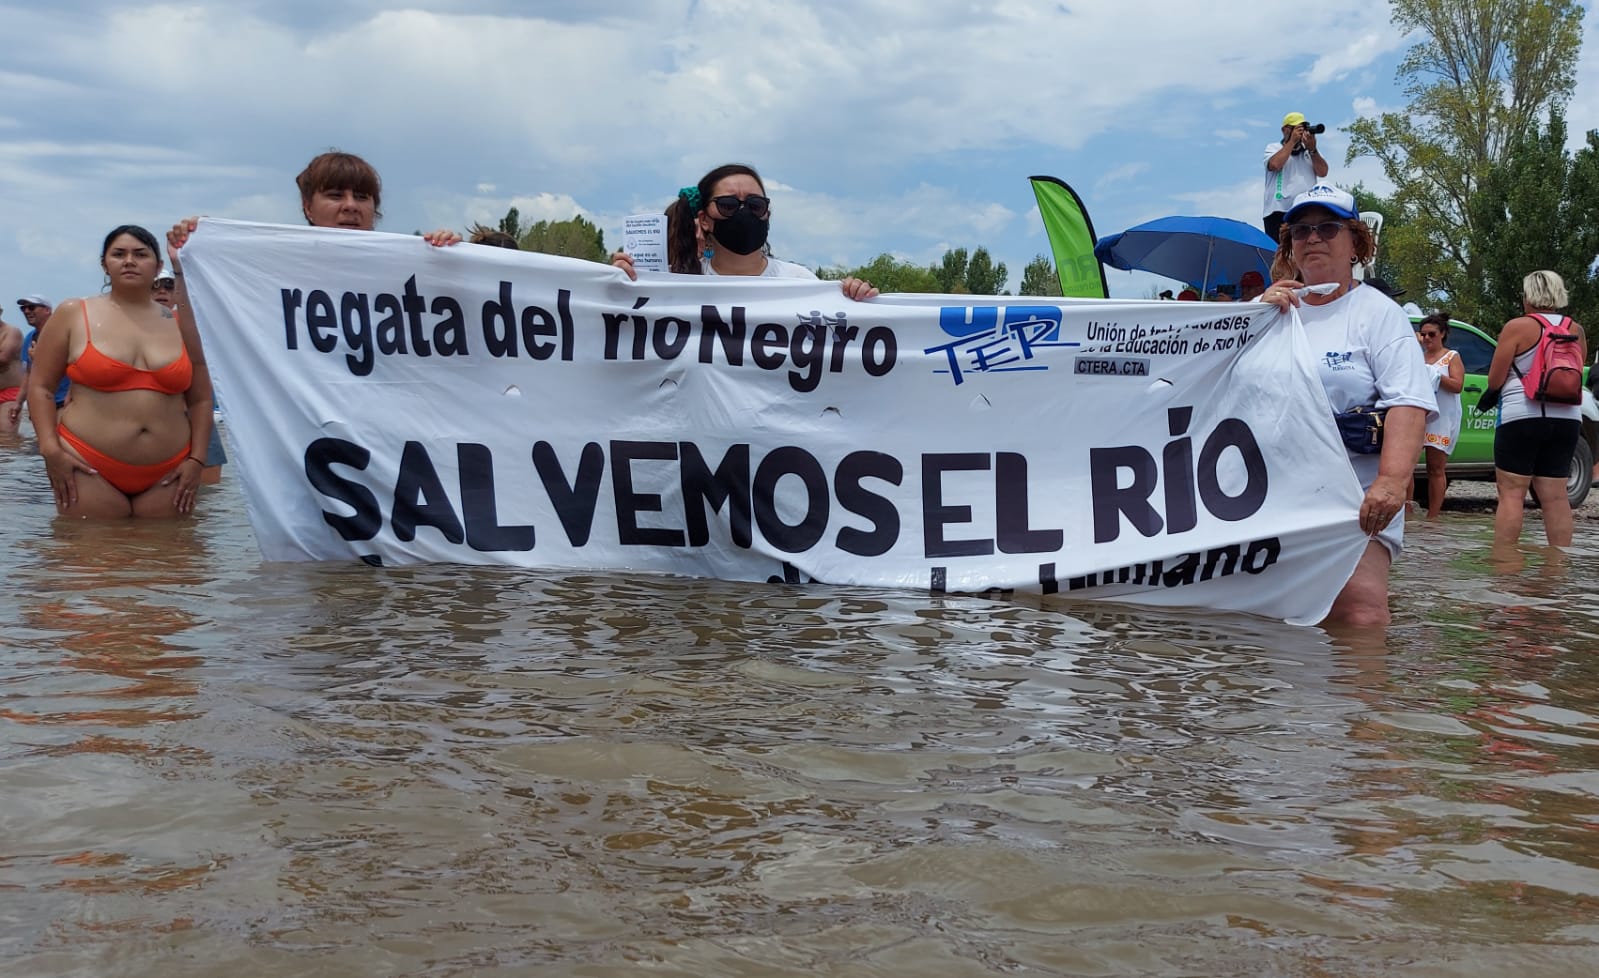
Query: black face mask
742, 234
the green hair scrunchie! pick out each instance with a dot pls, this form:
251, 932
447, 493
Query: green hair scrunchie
692, 195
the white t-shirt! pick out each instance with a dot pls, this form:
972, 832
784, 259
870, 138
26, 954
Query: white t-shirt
775, 268
1367, 355
1297, 176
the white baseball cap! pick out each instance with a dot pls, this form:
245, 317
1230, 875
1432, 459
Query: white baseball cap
1340, 202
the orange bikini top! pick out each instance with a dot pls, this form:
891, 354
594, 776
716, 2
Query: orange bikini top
99, 372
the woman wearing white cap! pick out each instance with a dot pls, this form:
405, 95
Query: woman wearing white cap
1371, 360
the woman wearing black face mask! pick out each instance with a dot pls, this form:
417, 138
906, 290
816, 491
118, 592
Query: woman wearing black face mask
719, 227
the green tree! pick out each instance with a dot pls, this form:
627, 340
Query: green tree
959, 272
1581, 215
1482, 75
950, 272
889, 274
1039, 277
1536, 209
511, 223
1394, 264
983, 276
575, 238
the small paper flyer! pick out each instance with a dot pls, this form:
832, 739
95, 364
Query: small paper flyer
644, 238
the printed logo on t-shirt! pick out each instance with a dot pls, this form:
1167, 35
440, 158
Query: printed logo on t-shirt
1338, 361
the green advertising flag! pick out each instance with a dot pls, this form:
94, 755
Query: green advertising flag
1071, 238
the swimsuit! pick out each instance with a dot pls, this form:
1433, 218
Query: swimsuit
97, 371
129, 479
9, 394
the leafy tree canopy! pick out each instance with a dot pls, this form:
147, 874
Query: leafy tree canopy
1477, 81
957, 272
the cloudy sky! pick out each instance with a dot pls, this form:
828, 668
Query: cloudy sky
902, 126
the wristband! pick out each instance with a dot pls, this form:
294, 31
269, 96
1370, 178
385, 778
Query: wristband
194, 458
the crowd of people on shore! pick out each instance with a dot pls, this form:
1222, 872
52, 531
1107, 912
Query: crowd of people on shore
120, 396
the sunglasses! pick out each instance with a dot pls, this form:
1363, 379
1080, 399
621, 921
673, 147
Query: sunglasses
727, 205
1326, 230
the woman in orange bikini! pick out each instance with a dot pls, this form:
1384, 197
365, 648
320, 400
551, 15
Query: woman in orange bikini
132, 441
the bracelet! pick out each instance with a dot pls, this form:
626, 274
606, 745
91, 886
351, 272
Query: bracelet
194, 458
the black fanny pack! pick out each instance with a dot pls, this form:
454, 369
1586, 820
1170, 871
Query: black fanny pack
1361, 429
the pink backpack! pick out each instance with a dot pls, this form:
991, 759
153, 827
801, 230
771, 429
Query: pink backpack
1555, 376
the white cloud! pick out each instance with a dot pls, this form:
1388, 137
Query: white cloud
1121, 174
1239, 200
883, 125
1355, 53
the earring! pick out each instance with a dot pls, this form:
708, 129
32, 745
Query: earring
707, 254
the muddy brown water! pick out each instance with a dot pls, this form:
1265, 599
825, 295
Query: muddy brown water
210, 765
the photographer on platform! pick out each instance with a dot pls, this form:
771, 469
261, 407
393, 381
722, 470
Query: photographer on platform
1293, 166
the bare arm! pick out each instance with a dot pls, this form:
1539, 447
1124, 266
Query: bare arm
1511, 337
10, 343
198, 401
50, 348
176, 239
1279, 159
1316, 162
1402, 435
11, 352
49, 366
1456, 379
198, 397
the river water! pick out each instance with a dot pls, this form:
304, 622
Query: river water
210, 765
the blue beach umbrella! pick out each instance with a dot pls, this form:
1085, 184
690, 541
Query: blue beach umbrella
1191, 249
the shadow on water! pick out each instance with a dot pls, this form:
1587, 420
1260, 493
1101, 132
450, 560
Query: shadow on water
214, 764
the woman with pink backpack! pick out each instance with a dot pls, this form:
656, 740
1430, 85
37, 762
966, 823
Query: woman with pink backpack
1537, 376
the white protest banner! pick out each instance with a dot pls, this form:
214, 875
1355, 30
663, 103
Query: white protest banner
396, 402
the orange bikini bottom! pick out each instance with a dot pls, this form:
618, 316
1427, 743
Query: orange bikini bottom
128, 478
